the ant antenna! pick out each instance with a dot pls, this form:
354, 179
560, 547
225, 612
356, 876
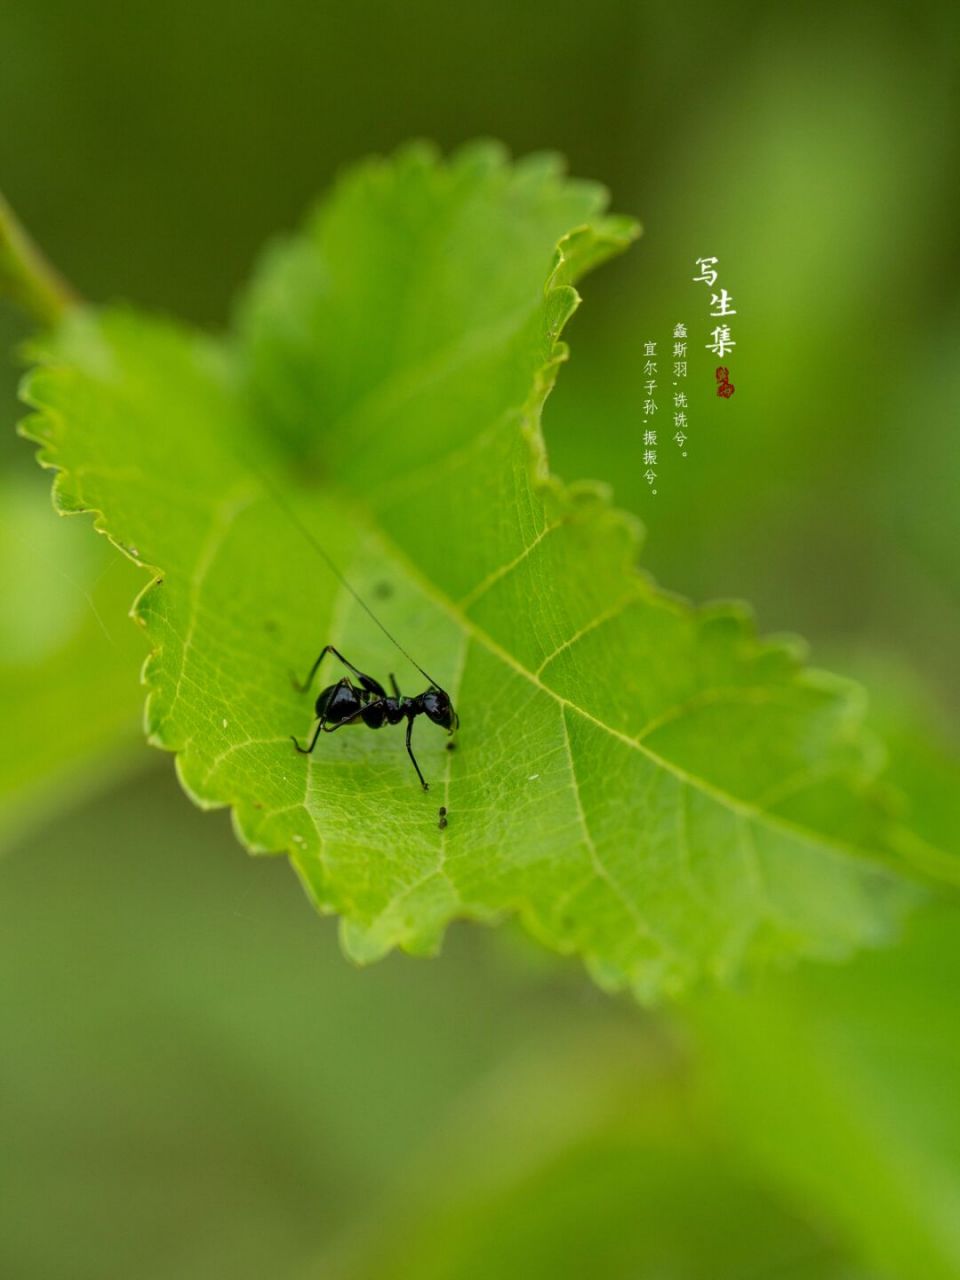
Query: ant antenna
278, 497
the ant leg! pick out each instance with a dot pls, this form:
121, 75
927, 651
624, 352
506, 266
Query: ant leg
423, 782
374, 686
322, 725
394, 686
367, 682
305, 751
302, 688
350, 719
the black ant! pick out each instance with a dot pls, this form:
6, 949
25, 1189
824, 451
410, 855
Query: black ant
343, 703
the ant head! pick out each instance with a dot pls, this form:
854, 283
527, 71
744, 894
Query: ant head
438, 707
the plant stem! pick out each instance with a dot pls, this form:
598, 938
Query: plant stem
26, 277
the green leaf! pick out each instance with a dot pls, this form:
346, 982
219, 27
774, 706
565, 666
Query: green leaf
647, 784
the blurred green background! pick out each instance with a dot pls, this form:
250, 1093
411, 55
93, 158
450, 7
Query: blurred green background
193, 1082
